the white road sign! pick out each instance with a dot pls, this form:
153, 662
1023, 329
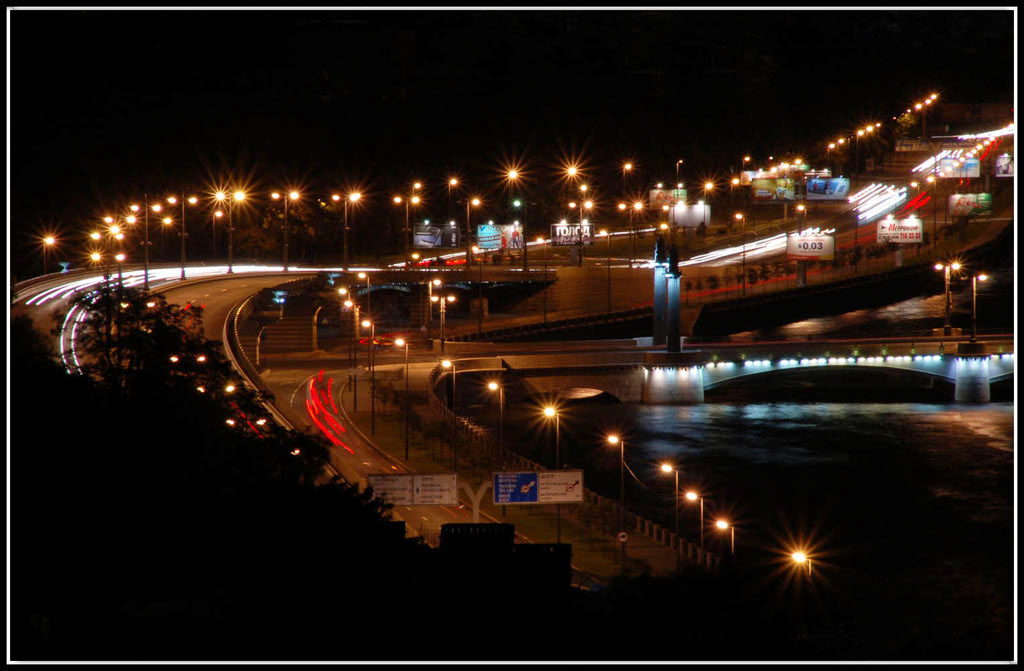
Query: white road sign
909, 230
408, 489
560, 487
810, 247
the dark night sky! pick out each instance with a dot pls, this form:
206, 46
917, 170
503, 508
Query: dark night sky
105, 104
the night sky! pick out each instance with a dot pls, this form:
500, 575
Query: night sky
106, 105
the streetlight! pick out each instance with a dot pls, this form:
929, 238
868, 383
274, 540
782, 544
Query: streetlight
723, 525
191, 200
974, 304
549, 412
294, 195
669, 468
513, 176
366, 276
616, 440
402, 342
542, 240
694, 496
48, 241
238, 197
448, 363
801, 209
494, 386
947, 270
475, 202
801, 559
369, 362
637, 208
352, 198
743, 245
441, 302
409, 200
479, 292
430, 312
608, 235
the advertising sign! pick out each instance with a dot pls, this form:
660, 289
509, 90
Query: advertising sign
819, 188
810, 247
660, 197
970, 205
690, 216
488, 236
519, 487
430, 236
408, 489
771, 190
747, 176
1004, 166
568, 235
905, 231
911, 145
950, 168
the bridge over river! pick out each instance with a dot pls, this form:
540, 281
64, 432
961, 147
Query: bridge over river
657, 377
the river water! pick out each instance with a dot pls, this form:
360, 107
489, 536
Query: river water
917, 497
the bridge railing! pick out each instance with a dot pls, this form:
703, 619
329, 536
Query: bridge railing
604, 512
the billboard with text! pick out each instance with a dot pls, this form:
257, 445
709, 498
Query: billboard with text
970, 205
657, 198
567, 235
429, 236
952, 168
833, 188
492, 236
810, 247
903, 231
773, 190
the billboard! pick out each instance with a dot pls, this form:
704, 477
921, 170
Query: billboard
952, 168
970, 205
905, 231
747, 176
810, 247
524, 487
430, 236
409, 489
911, 145
660, 197
828, 188
1004, 165
568, 235
772, 190
491, 236
690, 216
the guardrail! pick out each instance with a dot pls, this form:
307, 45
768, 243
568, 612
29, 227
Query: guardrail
607, 509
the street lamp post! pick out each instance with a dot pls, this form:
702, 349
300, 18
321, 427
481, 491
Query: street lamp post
369, 362
743, 247
608, 235
551, 411
475, 202
430, 311
801, 559
192, 200
544, 241
400, 342
48, 241
145, 243
366, 276
613, 439
448, 363
479, 291
352, 198
238, 197
974, 304
694, 496
723, 525
669, 468
948, 268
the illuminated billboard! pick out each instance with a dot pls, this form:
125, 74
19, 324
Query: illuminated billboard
491, 236
970, 204
959, 168
1004, 166
430, 236
903, 231
568, 235
690, 216
810, 247
833, 188
659, 197
772, 190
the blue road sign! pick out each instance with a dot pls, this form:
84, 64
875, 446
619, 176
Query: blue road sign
515, 488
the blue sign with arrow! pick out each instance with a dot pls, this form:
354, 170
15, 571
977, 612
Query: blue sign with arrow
515, 488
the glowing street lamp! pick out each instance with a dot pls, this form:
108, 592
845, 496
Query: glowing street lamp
722, 525
552, 412
947, 269
475, 202
369, 362
694, 496
669, 468
48, 242
801, 560
402, 342
616, 440
980, 277
353, 198
238, 197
